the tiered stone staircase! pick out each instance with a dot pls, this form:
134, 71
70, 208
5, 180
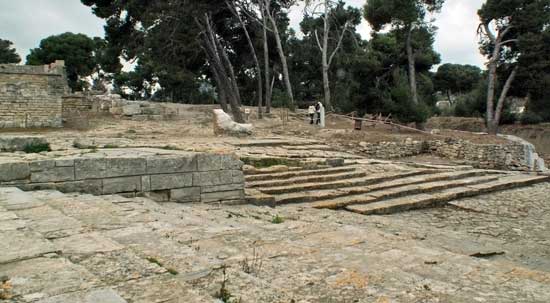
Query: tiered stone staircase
352, 188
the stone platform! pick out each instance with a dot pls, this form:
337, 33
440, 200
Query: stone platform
163, 175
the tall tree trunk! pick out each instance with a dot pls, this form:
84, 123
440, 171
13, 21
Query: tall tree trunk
490, 117
325, 64
222, 98
254, 56
502, 100
281, 52
412, 66
266, 65
214, 52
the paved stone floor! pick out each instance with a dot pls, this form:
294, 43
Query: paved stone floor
81, 248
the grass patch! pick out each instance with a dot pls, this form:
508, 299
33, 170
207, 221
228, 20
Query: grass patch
111, 146
277, 219
172, 271
154, 260
170, 147
36, 147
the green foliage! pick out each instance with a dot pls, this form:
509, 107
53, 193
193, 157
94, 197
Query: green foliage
530, 118
457, 78
7, 53
76, 49
36, 147
277, 219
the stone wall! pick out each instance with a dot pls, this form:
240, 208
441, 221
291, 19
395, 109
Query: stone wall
159, 174
31, 96
511, 156
392, 150
77, 104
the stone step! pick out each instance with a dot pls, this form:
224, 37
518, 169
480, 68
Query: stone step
413, 189
363, 181
424, 200
310, 178
299, 173
312, 196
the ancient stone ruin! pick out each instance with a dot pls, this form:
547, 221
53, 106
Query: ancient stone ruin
31, 96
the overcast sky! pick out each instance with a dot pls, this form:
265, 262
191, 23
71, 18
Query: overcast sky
26, 22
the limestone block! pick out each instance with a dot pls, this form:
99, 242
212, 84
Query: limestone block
98, 168
222, 196
145, 183
213, 178
221, 188
238, 176
224, 124
170, 181
231, 162
121, 185
64, 162
209, 162
131, 109
152, 110
189, 194
159, 195
12, 171
56, 174
41, 165
179, 164
93, 187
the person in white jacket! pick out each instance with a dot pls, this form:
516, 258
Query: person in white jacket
311, 112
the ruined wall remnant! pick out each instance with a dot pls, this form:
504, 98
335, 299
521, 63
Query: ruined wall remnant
159, 174
31, 96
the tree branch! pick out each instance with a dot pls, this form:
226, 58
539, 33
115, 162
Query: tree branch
339, 43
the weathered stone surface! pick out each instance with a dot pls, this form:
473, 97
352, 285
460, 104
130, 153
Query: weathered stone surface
19, 143
97, 168
131, 109
222, 196
217, 188
121, 185
12, 198
41, 165
231, 162
170, 181
46, 277
189, 194
224, 124
104, 295
12, 171
64, 162
20, 245
31, 96
146, 183
175, 164
208, 162
86, 244
213, 178
55, 174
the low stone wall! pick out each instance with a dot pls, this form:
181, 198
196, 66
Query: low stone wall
487, 156
512, 156
162, 175
392, 150
77, 104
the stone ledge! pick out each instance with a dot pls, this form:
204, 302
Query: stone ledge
163, 175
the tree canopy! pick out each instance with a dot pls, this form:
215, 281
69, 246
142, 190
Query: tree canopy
8, 54
78, 51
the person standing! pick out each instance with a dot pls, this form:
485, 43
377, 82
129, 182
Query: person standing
311, 112
318, 112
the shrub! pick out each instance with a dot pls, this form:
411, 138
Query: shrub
531, 118
37, 147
